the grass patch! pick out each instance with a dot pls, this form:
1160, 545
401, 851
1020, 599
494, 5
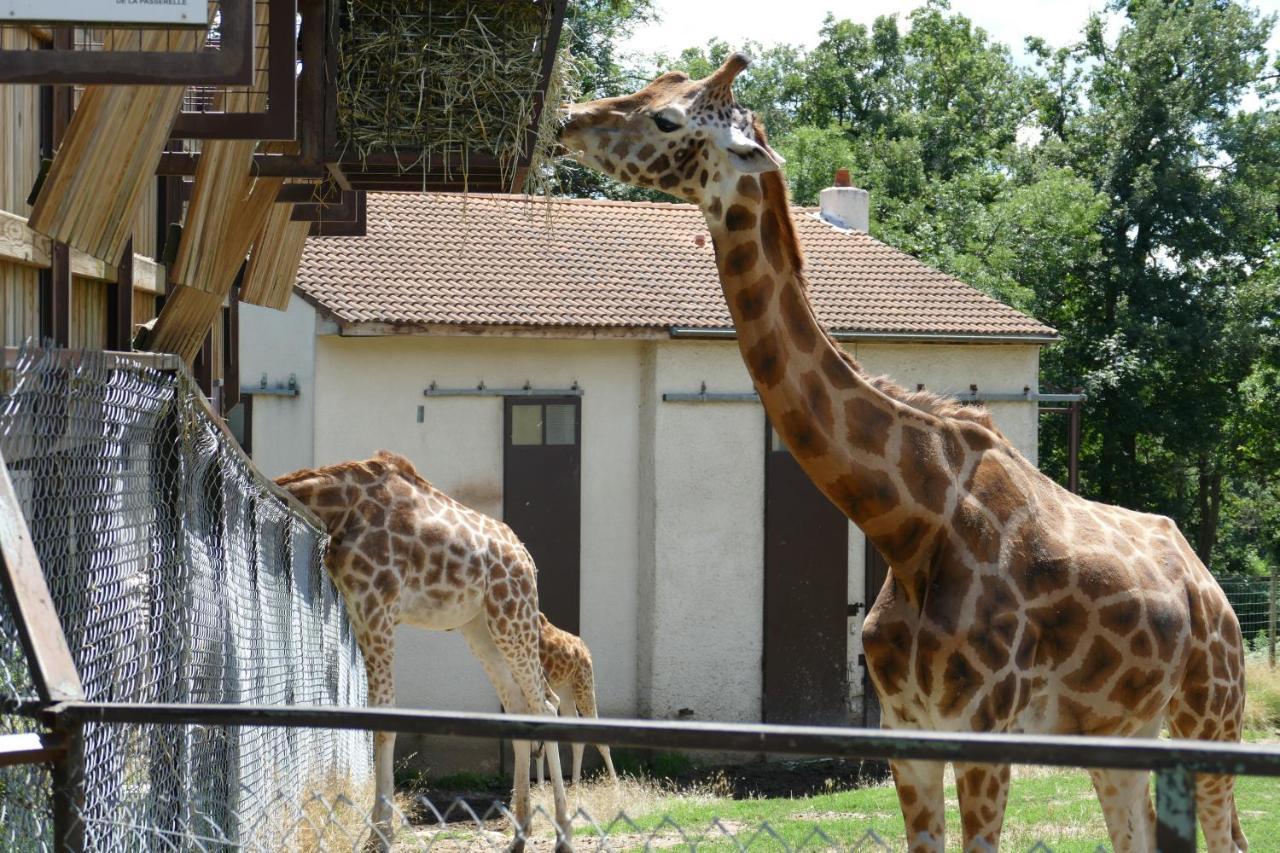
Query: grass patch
1262, 700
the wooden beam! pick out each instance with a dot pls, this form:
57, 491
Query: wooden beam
147, 274
55, 297
184, 320
231, 351
53, 672
19, 244
120, 305
31, 748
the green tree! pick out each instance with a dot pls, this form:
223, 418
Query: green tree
593, 29
1159, 331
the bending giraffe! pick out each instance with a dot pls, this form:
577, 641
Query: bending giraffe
567, 663
403, 552
1012, 605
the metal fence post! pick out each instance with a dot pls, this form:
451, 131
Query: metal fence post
1176, 811
68, 790
1271, 621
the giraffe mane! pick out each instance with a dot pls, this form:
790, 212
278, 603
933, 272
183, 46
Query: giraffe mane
935, 404
924, 401
382, 462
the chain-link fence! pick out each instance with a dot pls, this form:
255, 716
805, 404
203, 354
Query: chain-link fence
179, 576
1251, 598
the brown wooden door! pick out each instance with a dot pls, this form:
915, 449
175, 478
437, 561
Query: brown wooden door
877, 569
806, 566
542, 461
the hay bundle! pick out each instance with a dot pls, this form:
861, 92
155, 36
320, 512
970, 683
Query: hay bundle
432, 81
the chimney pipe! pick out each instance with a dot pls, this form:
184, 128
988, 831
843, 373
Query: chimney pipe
844, 205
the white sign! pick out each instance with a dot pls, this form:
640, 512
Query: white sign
170, 13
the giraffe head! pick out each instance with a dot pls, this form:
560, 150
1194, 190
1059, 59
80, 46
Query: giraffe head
685, 137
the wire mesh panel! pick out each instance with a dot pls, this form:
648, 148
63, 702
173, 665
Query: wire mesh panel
24, 788
179, 576
1250, 598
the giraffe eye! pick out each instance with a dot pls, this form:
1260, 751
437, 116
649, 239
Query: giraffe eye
665, 124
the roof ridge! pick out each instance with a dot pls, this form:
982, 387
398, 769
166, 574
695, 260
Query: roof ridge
465, 198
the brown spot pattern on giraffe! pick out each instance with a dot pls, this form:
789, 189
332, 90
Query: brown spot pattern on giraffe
921, 469
1100, 663
866, 492
798, 320
765, 361
741, 259
1059, 626
868, 424
946, 591
739, 218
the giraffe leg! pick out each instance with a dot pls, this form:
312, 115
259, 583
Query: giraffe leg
608, 763
519, 697
1215, 794
577, 749
1125, 796
983, 790
920, 796
476, 633
374, 634
584, 700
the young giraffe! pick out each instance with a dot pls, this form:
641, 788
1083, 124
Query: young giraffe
1012, 605
403, 552
567, 663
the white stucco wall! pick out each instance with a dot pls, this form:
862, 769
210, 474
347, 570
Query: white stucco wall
280, 344
708, 539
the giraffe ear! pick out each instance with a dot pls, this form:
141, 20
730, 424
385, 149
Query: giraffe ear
751, 157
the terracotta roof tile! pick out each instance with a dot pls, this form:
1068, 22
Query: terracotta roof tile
513, 261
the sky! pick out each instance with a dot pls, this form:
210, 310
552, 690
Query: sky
695, 22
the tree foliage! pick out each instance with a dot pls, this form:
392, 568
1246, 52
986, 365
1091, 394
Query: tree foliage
1124, 188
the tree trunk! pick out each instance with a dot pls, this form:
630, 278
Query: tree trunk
1209, 500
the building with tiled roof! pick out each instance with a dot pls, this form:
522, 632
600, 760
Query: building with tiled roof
512, 262
569, 366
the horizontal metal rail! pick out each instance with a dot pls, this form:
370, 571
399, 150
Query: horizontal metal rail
31, 748
1053, 750
705, 396
482, 390
711, 397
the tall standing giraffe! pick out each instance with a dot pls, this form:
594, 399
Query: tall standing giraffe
1012, 605
403, 552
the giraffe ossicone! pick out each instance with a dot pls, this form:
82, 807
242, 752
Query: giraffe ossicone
1012, 605
403, 552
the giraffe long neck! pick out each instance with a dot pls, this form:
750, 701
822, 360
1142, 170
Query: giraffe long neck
886, 465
